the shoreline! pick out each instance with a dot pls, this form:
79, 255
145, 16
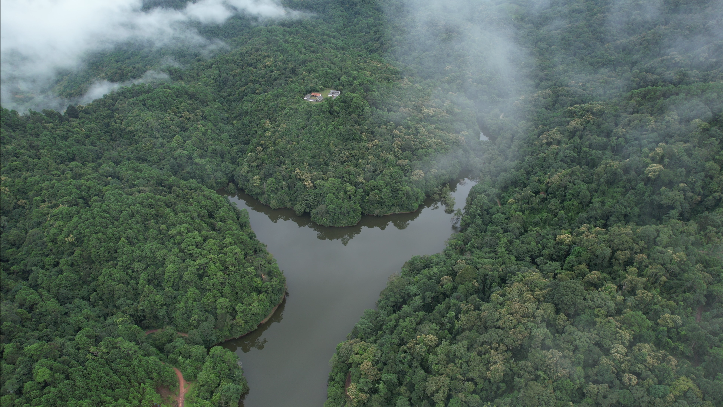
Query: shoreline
464, 174
182, 383
263, 321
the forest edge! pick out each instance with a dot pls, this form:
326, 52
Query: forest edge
183, 385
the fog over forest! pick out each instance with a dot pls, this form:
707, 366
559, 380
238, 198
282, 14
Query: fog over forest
41, 38
587, 266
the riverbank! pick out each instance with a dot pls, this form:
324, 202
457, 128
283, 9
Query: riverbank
333, 274
441, 195
184, 385
263, 321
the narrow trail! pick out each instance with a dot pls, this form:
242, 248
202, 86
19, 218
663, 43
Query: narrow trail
182, 383
182, 387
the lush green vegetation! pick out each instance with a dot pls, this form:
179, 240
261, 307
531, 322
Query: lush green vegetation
588, 269
97, 249
111, 225
373, 150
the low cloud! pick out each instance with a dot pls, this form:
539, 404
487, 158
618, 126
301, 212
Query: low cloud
466, 45
100, 88
42, 37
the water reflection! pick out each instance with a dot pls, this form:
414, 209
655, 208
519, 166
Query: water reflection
255, 339
400, 220
332, 275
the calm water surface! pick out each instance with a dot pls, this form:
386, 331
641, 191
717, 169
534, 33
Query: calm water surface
333, 275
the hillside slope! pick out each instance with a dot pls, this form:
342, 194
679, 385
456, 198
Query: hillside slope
588, 269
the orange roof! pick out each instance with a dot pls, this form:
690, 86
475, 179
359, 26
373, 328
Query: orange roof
315, 94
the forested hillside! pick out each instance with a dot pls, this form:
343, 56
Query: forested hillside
96, 250
588, 269
388, 141
588, 265
111, 223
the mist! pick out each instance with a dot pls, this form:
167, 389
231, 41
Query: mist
484, 48
673, 36
40, 38
467, 56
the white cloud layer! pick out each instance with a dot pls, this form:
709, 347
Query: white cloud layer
40, 37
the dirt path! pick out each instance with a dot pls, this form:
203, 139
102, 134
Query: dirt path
182, 384
182, 387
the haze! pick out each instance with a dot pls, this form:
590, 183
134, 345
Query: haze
42, 37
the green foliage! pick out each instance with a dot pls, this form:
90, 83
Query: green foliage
220, 380
587, 269
96, 249
239, 116
373, 150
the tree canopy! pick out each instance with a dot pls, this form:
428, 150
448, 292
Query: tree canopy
588, 267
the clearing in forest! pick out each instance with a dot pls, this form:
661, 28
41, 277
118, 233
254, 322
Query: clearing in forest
315, 97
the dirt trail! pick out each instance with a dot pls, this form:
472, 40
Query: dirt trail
182, 384
182, 387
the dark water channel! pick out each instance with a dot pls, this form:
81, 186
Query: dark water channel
333, 275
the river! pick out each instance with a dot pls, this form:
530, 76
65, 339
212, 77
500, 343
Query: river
333, 275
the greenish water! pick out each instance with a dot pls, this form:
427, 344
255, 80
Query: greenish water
333, 275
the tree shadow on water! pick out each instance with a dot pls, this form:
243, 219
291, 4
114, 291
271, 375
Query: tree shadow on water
344, 234
255, 339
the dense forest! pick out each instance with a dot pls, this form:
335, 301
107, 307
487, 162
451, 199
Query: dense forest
589, 266
239, 117
96, 250
120, 261
587, 270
